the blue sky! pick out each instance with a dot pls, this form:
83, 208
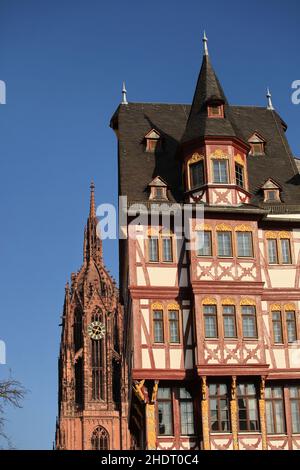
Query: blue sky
63, 62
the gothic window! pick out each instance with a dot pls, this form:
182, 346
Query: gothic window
224, 244
229, 321
158, 326
197, 174
210, 321
174, 335
186, 413
239, 175
79, 382
244, 244
277, 327
97, 359
78, 329
291, 326
100, 439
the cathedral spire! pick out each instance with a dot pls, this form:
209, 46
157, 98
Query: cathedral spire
92, 241
205, 47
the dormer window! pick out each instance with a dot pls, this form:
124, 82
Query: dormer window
197, 174
215, 110
158, 189
257, 144
153, 141
271, 191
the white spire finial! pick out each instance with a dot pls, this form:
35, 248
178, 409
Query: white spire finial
124, 94
269, 98
205, 40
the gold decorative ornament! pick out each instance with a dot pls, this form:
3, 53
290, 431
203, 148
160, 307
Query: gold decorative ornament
243, 228
275, 307
137, 389
289, 307
150, 427
209, 301
219, 153
247, 302
239, 159
228, 301
284, 234
270, 234
173, 306
203, 387
154, 391
157, 306
205, 424
223, 228
196, 157
202, 227
233, 414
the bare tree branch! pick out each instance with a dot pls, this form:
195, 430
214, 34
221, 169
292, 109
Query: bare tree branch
11, 393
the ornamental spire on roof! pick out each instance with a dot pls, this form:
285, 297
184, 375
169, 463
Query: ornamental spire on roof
124, 94
269, 98
205, 41
92, 241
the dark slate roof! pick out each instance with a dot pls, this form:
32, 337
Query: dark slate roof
137, 168
208, 88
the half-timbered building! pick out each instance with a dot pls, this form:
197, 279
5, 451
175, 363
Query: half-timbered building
211, 327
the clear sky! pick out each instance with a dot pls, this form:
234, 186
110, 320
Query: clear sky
63, 62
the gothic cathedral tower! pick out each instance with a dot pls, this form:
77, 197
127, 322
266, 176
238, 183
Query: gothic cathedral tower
92, 390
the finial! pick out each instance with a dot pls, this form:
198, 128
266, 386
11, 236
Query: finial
124, 94
92, 200
205, 41
269, 98
67, 286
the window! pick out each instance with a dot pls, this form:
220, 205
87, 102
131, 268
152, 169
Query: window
224, 244
158, 326
219, 408
204, 245
247, 407
186, 413
196, 174
271, 195
100, 439
244, 244
210, 321
295, 408
239, 175
285, 251
275, 410
165, 412
249, 321
152, 141
167, 249
229, 321
174, 336
277, 327
291, 326
153, 249
220, 171
272, 251
257, 148
215, 110
279, 251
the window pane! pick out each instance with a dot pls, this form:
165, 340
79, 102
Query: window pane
167, 249
285, 251
249, 321
204, 244
210, 321
244, 242
153, 249
183, 393
165, 422
277, 327
272, 251
197, 174
187, 418
239, 175
164, 392
295, 413
224, 244
173, 326
158, 326
229, 321
269, 416
291, 326
220, 171
279, 416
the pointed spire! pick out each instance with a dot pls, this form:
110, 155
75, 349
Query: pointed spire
92, 246
269, 99
124, 94
92, 200
205, 47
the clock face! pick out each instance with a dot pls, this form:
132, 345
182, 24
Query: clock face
96, 330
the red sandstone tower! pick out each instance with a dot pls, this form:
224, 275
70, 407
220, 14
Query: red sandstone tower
92, 389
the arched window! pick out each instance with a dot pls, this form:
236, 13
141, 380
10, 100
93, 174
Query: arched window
100, 439
77, 329
97, 346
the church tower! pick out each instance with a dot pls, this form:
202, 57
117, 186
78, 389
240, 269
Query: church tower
92, 391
